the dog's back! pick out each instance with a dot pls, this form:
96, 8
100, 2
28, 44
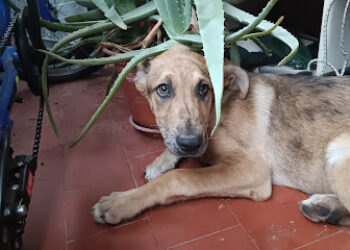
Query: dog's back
289, 120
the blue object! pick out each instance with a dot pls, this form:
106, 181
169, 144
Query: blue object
45, 14
4, 17
8, 78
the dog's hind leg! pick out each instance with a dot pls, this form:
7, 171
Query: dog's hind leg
163, 163
244, 179
333, 208
325, 208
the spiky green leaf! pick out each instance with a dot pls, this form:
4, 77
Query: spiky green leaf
211, 27
124, 6
111, 13
176, 14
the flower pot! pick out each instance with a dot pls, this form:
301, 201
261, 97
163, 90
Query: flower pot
142, 117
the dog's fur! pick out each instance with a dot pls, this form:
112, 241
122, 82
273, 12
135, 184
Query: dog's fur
275, 129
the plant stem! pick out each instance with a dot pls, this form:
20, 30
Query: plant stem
229, 9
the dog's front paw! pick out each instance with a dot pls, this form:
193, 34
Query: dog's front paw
153, 171
113, 209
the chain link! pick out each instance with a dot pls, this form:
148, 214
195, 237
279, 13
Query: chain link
8, 32
38, 128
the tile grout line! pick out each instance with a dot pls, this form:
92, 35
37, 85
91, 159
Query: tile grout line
147, 153
132, 173
317, 240
251, 239
106, 230
153, 234
124, 154
201, 237
65, 232
135, 157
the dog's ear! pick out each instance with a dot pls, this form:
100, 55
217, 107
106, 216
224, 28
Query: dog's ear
140, 78
236, 78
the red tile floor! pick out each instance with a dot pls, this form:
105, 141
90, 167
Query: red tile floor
113, 157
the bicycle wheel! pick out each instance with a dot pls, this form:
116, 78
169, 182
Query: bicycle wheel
28, 39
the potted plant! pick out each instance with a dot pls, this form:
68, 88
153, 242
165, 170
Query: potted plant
200, 25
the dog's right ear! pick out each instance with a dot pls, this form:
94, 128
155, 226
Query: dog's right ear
140, 78
236, 78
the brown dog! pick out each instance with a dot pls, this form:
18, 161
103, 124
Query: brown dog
286, 130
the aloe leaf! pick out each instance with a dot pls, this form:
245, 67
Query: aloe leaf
234, 2
45, 95
114, 16
59, 26
124, 6
111, 13
234, 55
246, 18
140, 12
262, 33
86, 23
96, 61
133, 62
241, 16
211, 23
189, 39
176, 14
90, 40
90, 15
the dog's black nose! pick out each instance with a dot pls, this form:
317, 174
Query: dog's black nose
189, 142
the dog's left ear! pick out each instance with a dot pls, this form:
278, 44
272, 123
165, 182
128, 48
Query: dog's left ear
235, 77
140, 78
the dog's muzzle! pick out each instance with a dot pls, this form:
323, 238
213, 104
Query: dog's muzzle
190, 143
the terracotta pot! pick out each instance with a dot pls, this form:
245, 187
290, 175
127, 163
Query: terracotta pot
142, 117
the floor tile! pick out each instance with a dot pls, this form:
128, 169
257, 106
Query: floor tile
51, 164
73, 104
45, 227
99, 156
278, 223
78, 204
138, 166
137, 143
23, 131
134, 236
338, 241
186, 220
27, 111
232, 238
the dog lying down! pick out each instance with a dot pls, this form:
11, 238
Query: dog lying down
286, 130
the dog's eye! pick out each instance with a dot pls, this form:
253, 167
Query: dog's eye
202, 90
164, 90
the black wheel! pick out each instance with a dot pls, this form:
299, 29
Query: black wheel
28, 40
29, 70
57, 70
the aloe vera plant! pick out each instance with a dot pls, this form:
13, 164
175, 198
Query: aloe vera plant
175, 18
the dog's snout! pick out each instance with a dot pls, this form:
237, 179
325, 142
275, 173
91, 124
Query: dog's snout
189, 142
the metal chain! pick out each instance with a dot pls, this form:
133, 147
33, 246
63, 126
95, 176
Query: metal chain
8, 32
37, 136
38, 128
